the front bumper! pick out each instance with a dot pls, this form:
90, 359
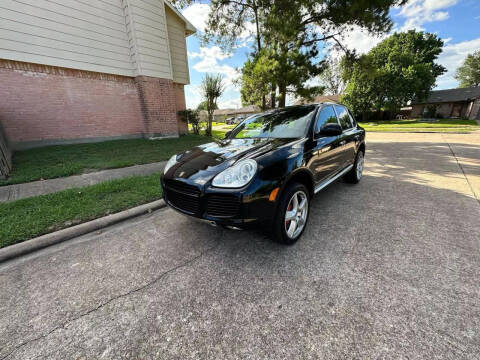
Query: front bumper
239, 209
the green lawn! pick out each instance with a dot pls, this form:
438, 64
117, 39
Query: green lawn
28, 218
65, 160
418, 125
218, 129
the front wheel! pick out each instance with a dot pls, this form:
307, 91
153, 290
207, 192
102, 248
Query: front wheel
292, 214
355, 175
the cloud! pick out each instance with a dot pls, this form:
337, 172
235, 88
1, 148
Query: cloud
452, 57
209, 63
193, 96
197, 14
362, 41
419, 12
213, 54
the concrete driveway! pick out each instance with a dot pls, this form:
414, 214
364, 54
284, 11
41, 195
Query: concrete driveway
387, 269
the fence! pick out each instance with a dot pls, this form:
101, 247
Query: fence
5, 156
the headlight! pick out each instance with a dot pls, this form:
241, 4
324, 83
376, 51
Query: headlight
170, 163
236, 176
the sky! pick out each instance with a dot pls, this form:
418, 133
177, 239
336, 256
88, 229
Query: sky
457, 22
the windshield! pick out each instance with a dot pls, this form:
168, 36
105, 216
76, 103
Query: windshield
285, 123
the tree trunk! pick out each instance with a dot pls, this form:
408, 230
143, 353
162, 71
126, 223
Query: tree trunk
282, 88
209, 125
273, 95
259, 47
259, 42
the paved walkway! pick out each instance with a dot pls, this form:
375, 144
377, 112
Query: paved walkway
21, 191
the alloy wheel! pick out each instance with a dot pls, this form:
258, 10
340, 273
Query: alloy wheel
360, 164
296, 214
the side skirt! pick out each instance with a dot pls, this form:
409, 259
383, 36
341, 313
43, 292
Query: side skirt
329, 181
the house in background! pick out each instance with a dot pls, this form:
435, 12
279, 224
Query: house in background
221, 115
75, 71
451, 103
320, 99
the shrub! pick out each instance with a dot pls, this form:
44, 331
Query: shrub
191, 117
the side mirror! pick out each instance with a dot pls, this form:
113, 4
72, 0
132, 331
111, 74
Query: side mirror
331, 130
227, 134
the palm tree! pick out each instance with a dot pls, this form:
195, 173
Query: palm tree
212, 89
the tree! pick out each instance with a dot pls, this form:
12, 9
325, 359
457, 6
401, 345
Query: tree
191, 117
212, 89
360, 93
290, 32
469, 73
203, 106
300, 28
229, 19
400, 69
254, 83
331, 78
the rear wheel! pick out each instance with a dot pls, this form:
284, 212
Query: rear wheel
292, 214
355, 175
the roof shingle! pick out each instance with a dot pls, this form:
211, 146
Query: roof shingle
452, 95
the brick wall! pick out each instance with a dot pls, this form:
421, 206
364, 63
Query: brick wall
475, 111
180, 104
417, 110
44, 104
158, 106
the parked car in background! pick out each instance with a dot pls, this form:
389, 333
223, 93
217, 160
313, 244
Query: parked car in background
230, 121
267, 169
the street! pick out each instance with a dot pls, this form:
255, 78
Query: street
386, 269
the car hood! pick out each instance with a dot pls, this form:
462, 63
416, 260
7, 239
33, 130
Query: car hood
200, 164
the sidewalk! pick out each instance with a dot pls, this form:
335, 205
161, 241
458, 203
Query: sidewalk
21, 191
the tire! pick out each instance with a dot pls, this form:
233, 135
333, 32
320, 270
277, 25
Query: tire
280, 223
355, 175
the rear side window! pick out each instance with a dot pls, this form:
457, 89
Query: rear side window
352, 118
326, 116
343, 117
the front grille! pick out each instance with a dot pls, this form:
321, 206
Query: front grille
181, 187
183, 196
222, 205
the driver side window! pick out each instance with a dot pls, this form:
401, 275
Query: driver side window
326, 116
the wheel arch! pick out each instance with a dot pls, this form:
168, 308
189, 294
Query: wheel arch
302, 176
362, 148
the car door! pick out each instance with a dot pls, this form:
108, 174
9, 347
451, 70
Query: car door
347, 139
327, 154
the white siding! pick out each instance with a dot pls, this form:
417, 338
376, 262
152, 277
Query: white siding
147, 29
178, 47
81, 34
124, 37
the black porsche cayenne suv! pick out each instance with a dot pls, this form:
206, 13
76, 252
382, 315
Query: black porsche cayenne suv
267, 169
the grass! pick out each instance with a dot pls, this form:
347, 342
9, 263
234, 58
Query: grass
66, 160
418, 125
28, 218
218, 129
